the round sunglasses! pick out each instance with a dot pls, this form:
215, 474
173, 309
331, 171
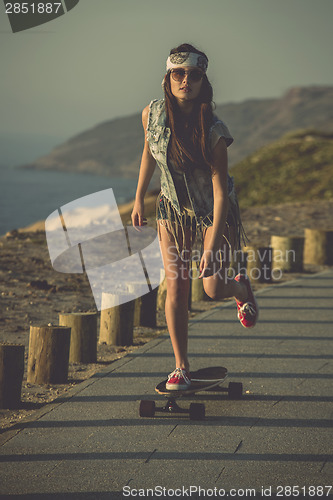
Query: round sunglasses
178, 75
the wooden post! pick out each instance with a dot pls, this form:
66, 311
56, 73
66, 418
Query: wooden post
145, 304
318, 247
259, 263
198, 291
117, 318
287, 253
137, 290
148, 308
137, 311
238, 263
48, 354
162, 291
189, 304
11, 374
83, 345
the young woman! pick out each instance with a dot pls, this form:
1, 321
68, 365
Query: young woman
197, 202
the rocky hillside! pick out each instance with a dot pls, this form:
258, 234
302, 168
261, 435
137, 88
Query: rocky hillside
297, 167
114, 147
258, 122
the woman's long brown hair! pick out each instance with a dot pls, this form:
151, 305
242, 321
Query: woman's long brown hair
192, 148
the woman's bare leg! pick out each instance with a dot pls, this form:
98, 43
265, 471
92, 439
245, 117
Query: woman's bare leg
219, 286
176, 304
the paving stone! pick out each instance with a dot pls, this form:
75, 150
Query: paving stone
92, 443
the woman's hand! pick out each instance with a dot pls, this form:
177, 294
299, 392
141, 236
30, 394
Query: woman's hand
210, 263
137, 214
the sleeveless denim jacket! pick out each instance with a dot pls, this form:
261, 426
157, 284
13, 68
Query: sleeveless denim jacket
158, 136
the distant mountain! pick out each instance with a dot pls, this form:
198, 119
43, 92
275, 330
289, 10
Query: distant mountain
297, 167
114, 148
257, 122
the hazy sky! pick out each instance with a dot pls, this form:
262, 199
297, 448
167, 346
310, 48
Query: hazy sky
106, 58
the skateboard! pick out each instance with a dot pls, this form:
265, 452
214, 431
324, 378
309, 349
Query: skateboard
205, 379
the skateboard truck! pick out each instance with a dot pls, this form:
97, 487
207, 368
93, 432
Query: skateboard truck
148, 409
207, 379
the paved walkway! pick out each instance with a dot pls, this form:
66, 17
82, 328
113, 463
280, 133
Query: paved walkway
93, 443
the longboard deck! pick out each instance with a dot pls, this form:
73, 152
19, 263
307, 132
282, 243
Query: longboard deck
206, 379
202, 380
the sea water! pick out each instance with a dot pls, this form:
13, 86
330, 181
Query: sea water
27, 195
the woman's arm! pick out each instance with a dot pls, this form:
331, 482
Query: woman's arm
147, 168
220, 193
220, 212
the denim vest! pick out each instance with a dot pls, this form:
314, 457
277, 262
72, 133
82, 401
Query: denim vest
198, 181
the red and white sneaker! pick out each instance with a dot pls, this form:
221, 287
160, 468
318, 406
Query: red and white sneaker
248, 311
178, 380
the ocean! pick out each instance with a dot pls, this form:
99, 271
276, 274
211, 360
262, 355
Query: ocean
27, 196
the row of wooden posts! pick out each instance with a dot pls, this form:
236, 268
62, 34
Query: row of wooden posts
52, 348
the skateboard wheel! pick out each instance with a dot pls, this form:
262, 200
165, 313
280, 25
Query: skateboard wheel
197, 411
147, 408
235, 390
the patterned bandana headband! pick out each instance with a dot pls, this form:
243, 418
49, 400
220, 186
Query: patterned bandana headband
186, 59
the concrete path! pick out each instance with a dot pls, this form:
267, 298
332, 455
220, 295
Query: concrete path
93, 443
